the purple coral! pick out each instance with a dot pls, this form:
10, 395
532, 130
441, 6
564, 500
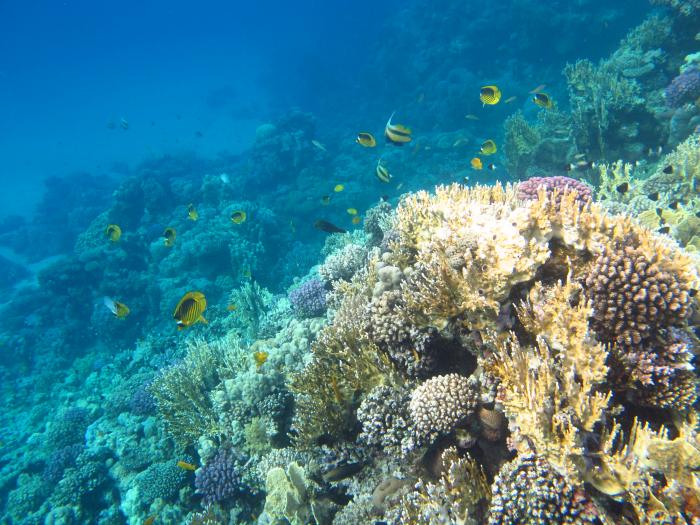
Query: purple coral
60, 460
683, 88
220, 478
528, 189
142, 402
309, 299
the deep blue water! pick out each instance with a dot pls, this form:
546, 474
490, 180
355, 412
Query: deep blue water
170, 69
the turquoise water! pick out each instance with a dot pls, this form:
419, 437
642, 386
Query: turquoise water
154, 149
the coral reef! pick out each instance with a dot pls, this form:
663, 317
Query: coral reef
487, 352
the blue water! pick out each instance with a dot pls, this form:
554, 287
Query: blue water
127, 112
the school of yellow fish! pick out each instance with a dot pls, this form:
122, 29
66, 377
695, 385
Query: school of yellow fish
190, 309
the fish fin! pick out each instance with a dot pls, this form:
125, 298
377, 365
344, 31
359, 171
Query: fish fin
388, 122
203, 320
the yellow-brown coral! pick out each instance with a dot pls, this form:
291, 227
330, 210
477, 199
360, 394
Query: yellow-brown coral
552, 391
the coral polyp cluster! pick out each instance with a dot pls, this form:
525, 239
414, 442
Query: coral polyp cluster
551, 323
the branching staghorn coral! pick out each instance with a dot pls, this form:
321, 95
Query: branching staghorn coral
344, 363
595, 92
182, 391
552, 391
521, 139
627, 468
459, 497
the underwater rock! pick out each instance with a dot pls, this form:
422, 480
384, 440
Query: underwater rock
11, 273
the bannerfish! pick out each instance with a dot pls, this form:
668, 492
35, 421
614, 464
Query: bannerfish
356, 219
338, 188
476, 163
325, 200
397, 134
192, 213
382, 172
190, 309
328, 227
124, 124
352, 211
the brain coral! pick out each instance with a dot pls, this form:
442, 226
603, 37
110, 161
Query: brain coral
529, 490
440, 404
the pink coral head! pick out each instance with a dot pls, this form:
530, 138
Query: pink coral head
529, 189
